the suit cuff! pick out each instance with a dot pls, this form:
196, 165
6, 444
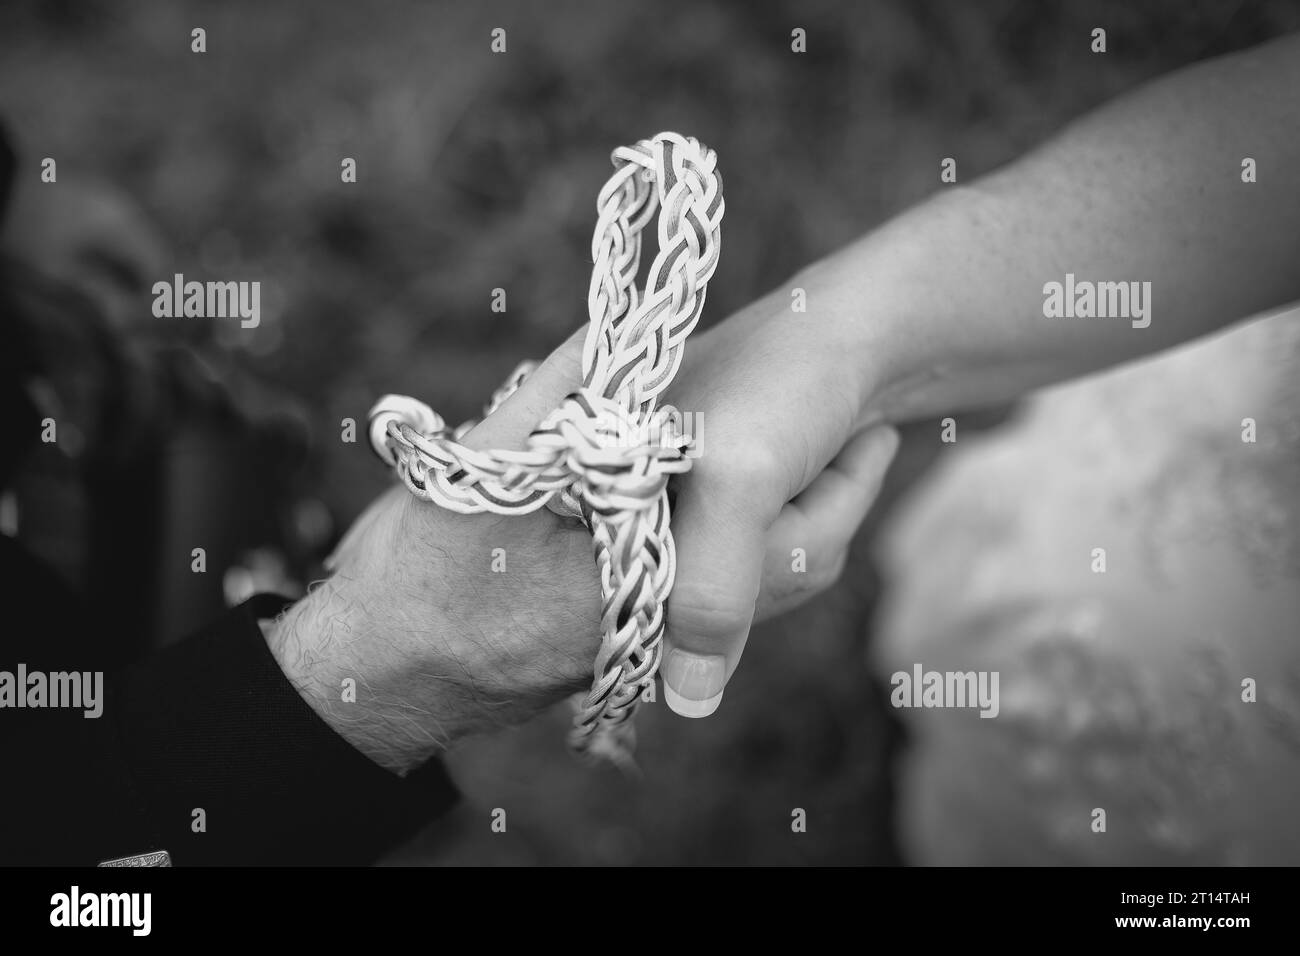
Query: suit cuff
236, 768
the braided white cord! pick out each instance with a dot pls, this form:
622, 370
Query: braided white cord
605, 455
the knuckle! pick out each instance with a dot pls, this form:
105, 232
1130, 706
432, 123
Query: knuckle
751, 469
715, 614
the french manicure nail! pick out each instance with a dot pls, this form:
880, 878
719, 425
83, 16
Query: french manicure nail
693, 683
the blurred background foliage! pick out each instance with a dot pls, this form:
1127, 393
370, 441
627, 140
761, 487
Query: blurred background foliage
477, 171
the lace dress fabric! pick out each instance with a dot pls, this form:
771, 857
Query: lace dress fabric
1120, 690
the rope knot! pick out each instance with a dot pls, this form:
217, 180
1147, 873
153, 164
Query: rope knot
620, 460
607, 453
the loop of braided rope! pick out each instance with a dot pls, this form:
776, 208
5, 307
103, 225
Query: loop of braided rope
606, 454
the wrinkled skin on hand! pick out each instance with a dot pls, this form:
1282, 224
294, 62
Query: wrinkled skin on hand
441, 646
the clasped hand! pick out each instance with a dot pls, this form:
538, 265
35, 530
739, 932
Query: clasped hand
441, 645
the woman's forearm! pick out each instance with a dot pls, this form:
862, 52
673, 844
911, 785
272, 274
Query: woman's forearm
944, 308
1139, 209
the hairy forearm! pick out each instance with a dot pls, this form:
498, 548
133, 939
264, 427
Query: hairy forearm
375, 706
415, 643
945, 305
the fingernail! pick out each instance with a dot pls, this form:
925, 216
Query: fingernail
693, 683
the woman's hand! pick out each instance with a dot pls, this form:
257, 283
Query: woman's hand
943, 309
785, 477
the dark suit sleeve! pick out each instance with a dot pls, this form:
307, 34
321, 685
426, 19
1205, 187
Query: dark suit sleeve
207, 731
210, 724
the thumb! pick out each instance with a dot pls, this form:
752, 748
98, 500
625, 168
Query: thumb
720, 553
539, 395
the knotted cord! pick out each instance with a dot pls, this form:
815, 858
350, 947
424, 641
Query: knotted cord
606, 454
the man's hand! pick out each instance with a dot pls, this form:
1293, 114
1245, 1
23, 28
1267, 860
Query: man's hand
443, 634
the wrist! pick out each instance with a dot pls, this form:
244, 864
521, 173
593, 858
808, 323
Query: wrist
859, 296
329, 646
913, 298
